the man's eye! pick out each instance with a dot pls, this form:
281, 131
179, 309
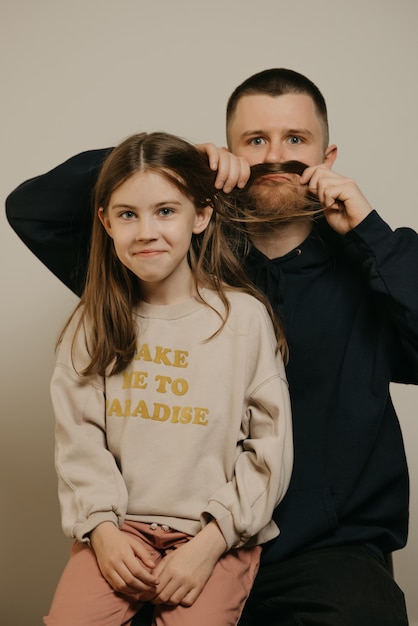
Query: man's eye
294, 140
257, 141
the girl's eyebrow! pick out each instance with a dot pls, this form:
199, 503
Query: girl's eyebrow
122, 206
133, 207
165, 202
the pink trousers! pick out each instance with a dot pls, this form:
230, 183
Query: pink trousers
84, 598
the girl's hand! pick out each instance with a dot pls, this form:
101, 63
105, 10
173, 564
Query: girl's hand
232, 171
184, 572
123, 561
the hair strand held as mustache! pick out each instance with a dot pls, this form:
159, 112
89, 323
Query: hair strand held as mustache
243, 205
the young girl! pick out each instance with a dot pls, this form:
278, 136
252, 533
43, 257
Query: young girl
173, 430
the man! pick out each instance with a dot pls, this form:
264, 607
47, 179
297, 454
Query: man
351, 324
343, 286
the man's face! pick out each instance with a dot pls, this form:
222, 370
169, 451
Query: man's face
274, 129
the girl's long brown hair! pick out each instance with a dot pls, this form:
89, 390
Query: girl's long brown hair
112, 291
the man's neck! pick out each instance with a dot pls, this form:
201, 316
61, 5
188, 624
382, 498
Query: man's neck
280, 240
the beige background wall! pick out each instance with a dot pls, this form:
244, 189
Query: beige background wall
86, 73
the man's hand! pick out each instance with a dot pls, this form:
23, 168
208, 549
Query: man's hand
343, 203
123, 561
232, 171
184, 572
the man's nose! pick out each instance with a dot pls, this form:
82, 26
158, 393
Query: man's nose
274, 153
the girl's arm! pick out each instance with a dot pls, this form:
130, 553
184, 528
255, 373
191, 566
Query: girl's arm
243, 507
91, 488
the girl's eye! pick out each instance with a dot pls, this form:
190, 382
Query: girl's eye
127, 215
257, 141
165, 212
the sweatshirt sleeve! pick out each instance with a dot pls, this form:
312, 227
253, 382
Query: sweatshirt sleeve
52, 215
243, 508
390, 263
91, 489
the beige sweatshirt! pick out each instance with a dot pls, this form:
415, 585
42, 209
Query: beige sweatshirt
194, 429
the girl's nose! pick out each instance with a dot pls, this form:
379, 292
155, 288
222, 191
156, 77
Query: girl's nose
146, 230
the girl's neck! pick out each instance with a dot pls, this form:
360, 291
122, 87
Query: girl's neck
169, 292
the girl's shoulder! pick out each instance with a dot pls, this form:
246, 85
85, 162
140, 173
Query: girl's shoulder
238, 297
73, 345
243, 305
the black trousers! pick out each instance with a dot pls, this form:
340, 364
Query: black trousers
346, 586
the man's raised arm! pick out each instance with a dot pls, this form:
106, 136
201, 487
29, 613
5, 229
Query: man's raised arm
52, 215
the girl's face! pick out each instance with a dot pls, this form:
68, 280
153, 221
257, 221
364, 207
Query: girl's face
151, 223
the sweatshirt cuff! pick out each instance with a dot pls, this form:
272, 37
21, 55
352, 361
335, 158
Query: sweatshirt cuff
82, 530
371, 233
225, 521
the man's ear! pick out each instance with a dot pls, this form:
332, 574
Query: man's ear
105, 221
330, 155
202, 219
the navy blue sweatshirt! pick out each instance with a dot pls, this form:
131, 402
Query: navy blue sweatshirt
350, 309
